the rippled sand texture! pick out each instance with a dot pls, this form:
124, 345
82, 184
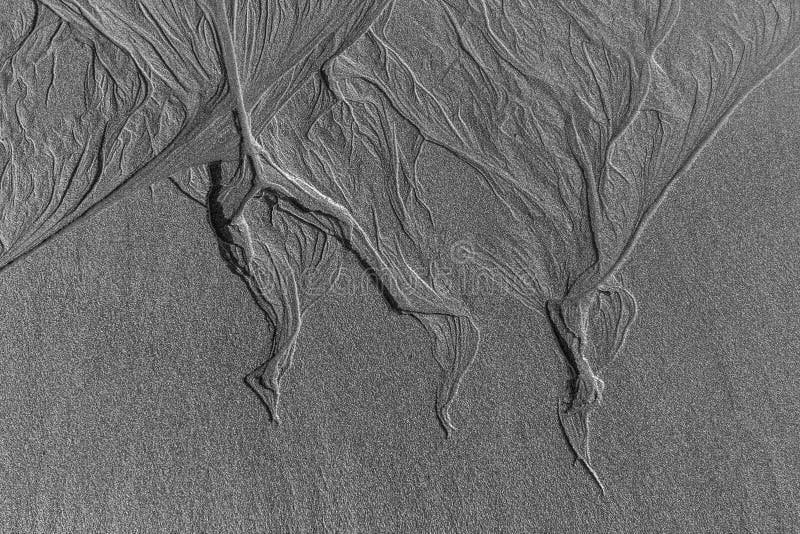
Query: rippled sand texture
299, 126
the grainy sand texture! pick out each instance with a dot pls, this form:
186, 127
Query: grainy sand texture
399, 266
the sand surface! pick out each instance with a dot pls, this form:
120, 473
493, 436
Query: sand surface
125, 340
